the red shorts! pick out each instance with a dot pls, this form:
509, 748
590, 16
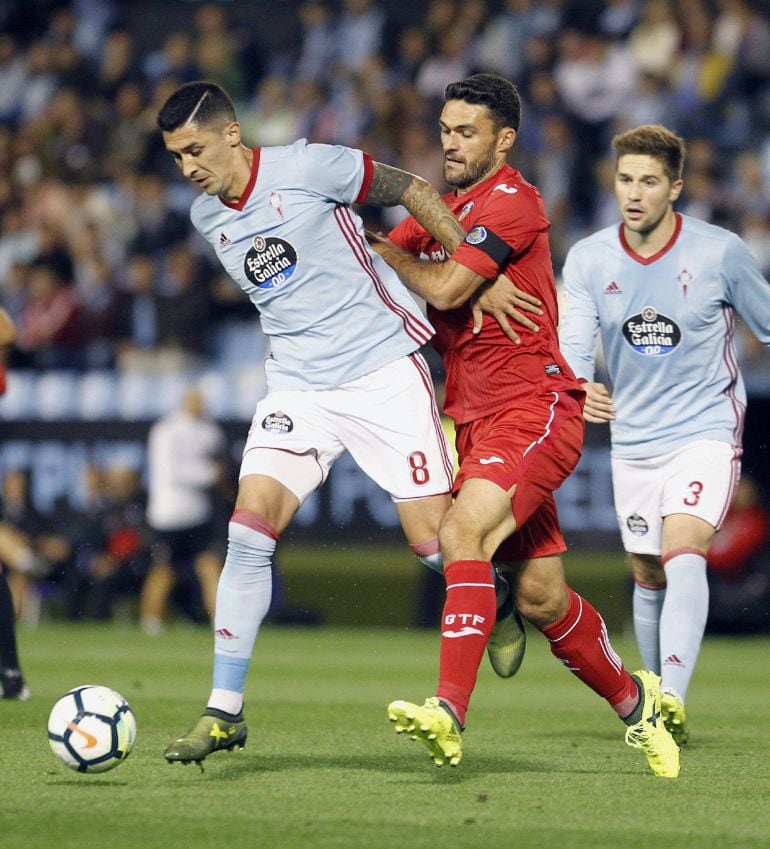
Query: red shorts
534, 448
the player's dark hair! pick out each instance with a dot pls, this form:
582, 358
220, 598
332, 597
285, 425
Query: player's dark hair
499, 95
201, 103
656, 141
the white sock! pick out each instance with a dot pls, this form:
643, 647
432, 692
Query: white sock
683, 618
647, 604
430, 555
243, 599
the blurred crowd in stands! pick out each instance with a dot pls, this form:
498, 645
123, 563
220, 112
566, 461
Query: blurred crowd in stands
98, 264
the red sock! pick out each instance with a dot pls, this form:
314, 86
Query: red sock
579, 639
466, 623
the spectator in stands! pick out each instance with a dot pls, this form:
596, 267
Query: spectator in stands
185, 305
72, 76
50, 331
359, 33
134, 327
655, 38
158, 225
176, 59
317, 41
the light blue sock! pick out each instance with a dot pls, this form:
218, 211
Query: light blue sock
433, 561
647, 605
683, 619
243, 599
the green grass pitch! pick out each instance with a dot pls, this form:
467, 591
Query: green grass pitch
545, 764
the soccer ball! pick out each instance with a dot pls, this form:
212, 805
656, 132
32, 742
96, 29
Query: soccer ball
91, 728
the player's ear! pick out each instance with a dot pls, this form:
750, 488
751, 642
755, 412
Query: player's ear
232, 134
505, 139
676, 190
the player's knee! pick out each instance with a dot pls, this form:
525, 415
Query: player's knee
456, 539
541, 603
646, 569
250, 542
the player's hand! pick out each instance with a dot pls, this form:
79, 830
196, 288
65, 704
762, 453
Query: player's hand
503, 301
598, 408
376, 239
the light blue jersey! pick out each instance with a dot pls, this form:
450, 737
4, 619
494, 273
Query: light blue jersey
332, 309
667, 327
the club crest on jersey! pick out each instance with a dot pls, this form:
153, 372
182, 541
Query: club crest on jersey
476, 236
269, 262
277, 422
465, 210
685, 279
651, 333
637, 525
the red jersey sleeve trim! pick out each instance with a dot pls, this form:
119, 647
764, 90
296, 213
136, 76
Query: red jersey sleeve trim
367, 182
241, 202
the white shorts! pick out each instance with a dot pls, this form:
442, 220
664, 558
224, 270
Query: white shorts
387, 420
698, 480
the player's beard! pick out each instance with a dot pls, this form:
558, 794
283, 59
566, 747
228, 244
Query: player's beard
474, 172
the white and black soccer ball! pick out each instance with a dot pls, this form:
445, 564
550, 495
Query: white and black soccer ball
91, 728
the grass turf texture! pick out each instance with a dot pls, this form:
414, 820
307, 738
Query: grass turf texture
545, 763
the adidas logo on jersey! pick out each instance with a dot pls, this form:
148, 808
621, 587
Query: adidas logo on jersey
613, 289
224, 240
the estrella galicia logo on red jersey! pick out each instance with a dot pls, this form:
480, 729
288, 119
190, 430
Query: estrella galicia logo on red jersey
277, 422
270, 262
637, 525
476, 236
651, 333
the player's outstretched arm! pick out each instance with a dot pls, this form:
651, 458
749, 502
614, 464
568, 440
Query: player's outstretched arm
393, 187
452, 286
598, 408
445, 285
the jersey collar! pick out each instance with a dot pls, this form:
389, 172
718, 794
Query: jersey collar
648, 260
241, 202
483, 185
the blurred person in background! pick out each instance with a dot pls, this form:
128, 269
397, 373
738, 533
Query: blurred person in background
51, 333
115, 561
185, 455
30, 543
739, 565
12, 684
661, 290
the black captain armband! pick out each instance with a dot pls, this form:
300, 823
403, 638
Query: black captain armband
494, 247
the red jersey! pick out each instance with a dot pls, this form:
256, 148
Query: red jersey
487, 373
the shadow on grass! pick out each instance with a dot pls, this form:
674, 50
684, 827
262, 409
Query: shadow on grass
415, 770
85, 781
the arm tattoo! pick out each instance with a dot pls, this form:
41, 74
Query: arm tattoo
392, 186
388, 185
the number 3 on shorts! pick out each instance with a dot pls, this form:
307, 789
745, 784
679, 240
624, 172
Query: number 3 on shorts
696, 488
